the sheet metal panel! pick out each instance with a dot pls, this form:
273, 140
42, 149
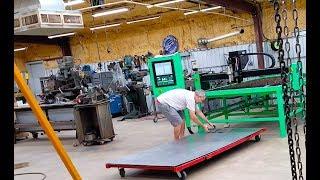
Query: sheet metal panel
65, 114
175, 153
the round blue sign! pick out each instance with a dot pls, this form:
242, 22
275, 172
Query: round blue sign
170, 45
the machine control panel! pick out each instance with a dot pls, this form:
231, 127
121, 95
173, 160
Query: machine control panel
166, 80
164, 73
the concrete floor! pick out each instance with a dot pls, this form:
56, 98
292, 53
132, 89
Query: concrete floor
265, 160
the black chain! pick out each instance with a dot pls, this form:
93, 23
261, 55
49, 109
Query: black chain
286, 32
301, 90
284, 77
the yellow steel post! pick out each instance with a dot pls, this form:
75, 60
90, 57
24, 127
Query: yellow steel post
45, 123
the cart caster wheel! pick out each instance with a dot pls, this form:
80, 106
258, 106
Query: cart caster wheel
155, 120
122, 172
182, 175
257, 138
35, 135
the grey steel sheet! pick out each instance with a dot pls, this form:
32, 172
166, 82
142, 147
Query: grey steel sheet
175, 153
270, 81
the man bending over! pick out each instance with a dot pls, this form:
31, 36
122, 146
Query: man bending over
173, 102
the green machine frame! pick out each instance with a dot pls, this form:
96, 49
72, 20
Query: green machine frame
166, 80
258, 104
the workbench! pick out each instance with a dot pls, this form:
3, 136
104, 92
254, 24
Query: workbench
59, 115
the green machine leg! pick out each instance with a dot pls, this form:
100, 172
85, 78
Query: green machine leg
266, 103
247, 106
197, 85
282, 119
225, 111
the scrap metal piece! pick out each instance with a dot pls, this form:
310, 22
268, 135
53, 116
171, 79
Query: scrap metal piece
253, 83
21, 165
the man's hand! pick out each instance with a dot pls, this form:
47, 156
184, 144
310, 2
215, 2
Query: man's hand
210, 124
196, 120
205, 128
200, 113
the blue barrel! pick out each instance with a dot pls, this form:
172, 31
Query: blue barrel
115, 104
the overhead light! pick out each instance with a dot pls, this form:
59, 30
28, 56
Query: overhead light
75, 2
212, 8
164, 3
113, 11
226, 35
141, 20
204, 41
61, 35
191, 12
203, 10
106, 26
20, 49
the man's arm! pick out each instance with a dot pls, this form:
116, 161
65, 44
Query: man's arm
195, 119
200, 113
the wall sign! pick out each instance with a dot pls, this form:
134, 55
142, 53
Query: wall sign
170, 45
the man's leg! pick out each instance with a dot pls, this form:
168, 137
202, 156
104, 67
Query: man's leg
176, 132
173, 117
182, 130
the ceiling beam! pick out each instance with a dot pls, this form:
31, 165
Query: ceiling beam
254, 10
63, 42
235, 5
34, 39
197, 2
259, 37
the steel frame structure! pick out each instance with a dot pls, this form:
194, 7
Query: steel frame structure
273, 115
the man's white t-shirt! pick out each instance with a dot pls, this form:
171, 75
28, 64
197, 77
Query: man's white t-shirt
179, 99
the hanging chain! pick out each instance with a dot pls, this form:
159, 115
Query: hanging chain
286, 31
284, 78
301, 90
299, 62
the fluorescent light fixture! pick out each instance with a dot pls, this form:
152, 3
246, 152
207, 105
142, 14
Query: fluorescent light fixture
225, 36
203, 10
191, 12
61, 35
75, 2
106, 26
164, 3
141, 20
20, 49
112, 11
209, 9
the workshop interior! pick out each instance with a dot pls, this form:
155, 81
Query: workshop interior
88, 73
